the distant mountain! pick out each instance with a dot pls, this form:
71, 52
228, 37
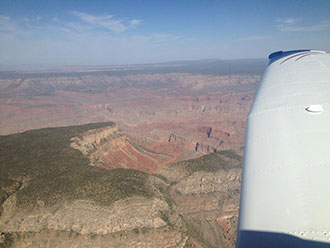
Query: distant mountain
51, 195
204, 66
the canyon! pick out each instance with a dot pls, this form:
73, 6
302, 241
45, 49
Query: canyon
54, 195
183, 115
158, 165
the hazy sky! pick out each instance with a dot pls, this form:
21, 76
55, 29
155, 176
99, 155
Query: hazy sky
143, 31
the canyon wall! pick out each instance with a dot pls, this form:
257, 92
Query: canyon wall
54, 195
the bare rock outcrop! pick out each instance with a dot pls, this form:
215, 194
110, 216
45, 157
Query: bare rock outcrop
52, 197
206, 194
86, 217
203, 182
88, 142
109, 148
134, 222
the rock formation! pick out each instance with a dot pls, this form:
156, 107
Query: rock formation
148, 107
109, 148
52, 196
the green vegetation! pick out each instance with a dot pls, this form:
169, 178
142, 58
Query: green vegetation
232, 155
213, 162
43, 170
47, 170
192, 232
6, 240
